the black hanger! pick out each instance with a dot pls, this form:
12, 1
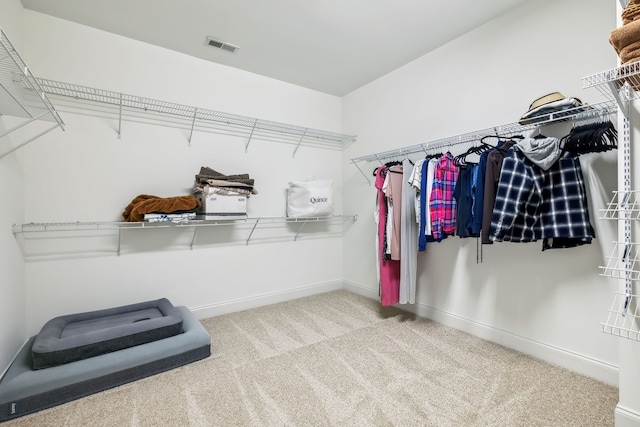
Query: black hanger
501, 137
591, 138
461, 159
433, 156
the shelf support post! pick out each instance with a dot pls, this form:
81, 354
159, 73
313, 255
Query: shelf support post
24, 123
193, 237
23, 143
363, 174
622, 105
255, 224
300, 230
120, 117
253, 128
119, 239
193, 123
299, 142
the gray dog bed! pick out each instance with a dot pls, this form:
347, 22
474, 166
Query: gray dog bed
24, 390
79, 336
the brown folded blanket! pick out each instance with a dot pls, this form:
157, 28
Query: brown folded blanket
144, 203
630, 53
624, 36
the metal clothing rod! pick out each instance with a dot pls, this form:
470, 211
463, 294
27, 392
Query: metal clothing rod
506, 130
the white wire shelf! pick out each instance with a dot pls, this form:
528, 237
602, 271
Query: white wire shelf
623, 318
623, 262
39, 241
623, 205
21, 96
620, 84
120, 106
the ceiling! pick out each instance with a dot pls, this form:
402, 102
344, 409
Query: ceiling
333, 46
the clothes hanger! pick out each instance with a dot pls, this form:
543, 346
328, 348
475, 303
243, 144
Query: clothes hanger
461, 159
540, 135
482, 140
593, 136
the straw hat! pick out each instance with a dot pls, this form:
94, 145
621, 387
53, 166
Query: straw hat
554, 96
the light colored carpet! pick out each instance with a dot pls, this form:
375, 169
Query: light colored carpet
339, 359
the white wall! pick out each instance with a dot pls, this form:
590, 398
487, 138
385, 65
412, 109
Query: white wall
550, 303
88, 174
12, 281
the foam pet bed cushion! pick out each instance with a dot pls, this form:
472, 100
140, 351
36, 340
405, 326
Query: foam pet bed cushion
80, 336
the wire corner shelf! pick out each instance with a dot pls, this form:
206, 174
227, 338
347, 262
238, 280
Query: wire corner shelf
21, 96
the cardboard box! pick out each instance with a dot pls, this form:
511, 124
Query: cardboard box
216, 206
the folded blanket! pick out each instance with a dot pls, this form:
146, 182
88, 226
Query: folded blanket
624, 36
208, 173
144, 204
630, 53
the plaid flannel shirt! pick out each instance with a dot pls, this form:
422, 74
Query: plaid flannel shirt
442, 203
533, 204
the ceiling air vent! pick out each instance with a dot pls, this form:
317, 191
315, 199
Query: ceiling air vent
222, 45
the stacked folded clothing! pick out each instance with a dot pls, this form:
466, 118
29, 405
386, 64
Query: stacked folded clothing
211, 181
626, 39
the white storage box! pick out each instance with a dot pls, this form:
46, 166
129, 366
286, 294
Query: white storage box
217, 206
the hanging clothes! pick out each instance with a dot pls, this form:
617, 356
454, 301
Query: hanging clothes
493, 169
415, 182
478, 194
394, 200
464, 200
424, 208
389, 269
409, 236
442, 202
533, 203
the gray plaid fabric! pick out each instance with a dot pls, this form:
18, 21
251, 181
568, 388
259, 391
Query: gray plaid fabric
533, 204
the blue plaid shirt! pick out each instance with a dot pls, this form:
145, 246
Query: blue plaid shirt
533, 204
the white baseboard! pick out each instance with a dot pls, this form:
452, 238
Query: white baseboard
575, 362
626, 417
361, 290
231, 306
570, 360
